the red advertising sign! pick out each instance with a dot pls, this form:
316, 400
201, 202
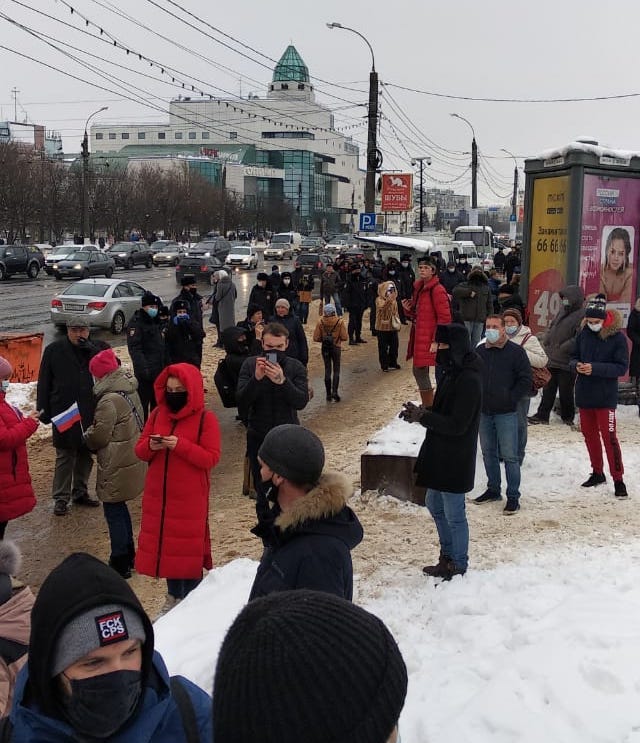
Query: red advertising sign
397, 192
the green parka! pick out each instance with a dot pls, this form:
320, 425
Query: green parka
113, 436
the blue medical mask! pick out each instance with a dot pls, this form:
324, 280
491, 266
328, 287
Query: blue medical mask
511, 329
4, 385
151, 311
492, 335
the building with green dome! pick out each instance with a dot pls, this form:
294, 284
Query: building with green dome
284, 144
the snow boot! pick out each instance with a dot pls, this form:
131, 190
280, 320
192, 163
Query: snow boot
439, 570
452, 570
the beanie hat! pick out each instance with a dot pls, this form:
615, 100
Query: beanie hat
262, 276
282, 302
293, 452
187, 279
96, 628
597, 307
513, 312
329, 309
506, 289
10, 561
319, 668
103, 363
149, 299
6, 370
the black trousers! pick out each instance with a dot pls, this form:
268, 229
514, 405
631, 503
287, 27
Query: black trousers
332, 370
387, 348
355, 323
562, 382
147, 396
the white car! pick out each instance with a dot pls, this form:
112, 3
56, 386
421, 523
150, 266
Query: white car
242, 256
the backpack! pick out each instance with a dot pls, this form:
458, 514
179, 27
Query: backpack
225, 384
328, 341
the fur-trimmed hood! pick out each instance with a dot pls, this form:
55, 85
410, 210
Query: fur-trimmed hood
10, 558
324, 510
611, 325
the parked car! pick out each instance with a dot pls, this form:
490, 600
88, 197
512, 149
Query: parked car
218, 247
283, 246
130, 254
166, 252
27, 259
243, 256
106, 303
58, 254
82, 264
201, 266
317, 261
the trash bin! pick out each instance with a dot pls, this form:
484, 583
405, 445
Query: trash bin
23, 352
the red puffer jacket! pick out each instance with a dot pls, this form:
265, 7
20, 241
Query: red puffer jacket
16, 493
430, 307
174, 539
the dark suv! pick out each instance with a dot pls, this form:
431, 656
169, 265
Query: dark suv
20, 259
201, 266
316, 261
130, 254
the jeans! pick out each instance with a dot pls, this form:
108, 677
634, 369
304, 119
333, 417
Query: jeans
523, 411
72, 470
499, 440
326, 299
475, 331
303, 312
120, 530
449, 515
562, 382
180, 588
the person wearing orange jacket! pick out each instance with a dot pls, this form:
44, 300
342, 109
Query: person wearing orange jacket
181, 443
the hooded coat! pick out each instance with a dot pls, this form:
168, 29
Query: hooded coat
473, 296
174, 539
559, 340
309, 545
225, 301
16, 491
429, 308
15, 623
78, 584
447, 457
387, 308
113, 435
608, 353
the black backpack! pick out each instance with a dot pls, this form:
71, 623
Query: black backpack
328, 342
225, 384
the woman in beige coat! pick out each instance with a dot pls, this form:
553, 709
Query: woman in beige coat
331, 333
113, 435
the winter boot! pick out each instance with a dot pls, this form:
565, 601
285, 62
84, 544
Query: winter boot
120, 563
452, 570
327, 386
439, 570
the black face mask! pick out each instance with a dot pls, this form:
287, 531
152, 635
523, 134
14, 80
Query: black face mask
175, 400
101, 705
443, 357
193, 290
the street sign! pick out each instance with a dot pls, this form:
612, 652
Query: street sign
367, 222
397, 192
512, 218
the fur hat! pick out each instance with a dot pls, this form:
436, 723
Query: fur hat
149, 299
597, 307
181, 304
188, 279
316, 666
6, 370
77, 321
294, 453
103, 363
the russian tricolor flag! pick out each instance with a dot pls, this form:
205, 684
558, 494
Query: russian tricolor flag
63, 421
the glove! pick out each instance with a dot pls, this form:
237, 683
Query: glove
412, 413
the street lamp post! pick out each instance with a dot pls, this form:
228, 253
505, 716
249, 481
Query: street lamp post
421, 160
85, 174
373, 162
514, 198
474, 163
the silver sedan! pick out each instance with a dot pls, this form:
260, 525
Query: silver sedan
106, 303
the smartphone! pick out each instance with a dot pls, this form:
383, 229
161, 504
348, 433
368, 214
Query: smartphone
272, 357
156, 438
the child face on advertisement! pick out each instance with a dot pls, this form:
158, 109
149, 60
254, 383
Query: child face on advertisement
616, 255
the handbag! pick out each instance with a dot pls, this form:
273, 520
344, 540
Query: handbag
540, 375
395, 322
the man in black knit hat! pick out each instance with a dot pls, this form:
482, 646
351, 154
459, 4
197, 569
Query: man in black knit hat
92, 672
309, 531
304, 666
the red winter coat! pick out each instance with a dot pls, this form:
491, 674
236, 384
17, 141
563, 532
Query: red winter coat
430, 307
16, 493
174, 539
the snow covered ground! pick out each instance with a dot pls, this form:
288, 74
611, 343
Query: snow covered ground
544, 646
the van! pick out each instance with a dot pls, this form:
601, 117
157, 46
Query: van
480, 235
283, 245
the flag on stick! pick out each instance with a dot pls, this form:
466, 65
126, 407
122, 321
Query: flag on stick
63, 421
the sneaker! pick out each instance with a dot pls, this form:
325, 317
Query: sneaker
620, 489
61, 507
86, 500
512, 507
487, 496
534, 420
595, 478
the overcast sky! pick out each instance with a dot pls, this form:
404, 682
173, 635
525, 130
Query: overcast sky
496, 49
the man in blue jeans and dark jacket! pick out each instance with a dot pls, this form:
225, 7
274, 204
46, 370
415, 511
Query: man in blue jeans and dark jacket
506, 378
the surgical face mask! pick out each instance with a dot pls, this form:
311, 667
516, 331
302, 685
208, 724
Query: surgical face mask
151, 311
193, 290
595, 326
286, 282
392, 272
99, 706
4, 385
511, 329
463, 260
492, 335
405, 264
451, 269
176, 400
180, 318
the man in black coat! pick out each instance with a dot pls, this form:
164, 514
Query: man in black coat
64, 378
189, 294
263, 295
307, 529
146, 348
355, 299
446, 463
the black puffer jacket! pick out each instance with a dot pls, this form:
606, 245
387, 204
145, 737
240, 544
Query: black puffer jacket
473, 296
559, 341
309, 546
447, 458
146, 346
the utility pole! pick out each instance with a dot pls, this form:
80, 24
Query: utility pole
422, 161
85, 175
514, 199
474, 162
14, 92
353, 199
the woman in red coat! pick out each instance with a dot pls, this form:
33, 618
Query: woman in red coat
428, 307
181, 443
16, 493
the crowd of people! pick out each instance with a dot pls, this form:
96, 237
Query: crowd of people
86, 637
